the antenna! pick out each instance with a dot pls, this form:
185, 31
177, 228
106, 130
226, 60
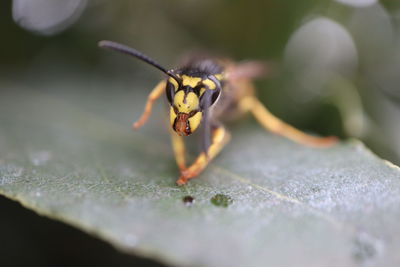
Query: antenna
139, 55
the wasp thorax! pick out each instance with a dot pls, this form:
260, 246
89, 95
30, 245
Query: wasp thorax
185, 116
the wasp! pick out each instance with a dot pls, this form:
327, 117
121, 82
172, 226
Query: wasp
207, 91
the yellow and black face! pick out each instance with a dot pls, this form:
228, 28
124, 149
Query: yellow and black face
190, 90
188, 101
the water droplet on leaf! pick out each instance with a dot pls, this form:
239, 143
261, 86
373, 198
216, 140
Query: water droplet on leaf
221, 200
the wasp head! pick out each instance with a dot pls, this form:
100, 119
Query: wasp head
185, 114
189, 97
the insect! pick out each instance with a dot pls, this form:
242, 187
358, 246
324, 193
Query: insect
205, 91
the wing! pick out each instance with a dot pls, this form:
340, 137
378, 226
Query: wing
249, 70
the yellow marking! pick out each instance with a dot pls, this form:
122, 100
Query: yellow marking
174, 83
219, 76
210, 84
190, 81
172, 116
192, 102
202, 90
194, 121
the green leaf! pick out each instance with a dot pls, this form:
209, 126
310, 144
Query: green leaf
67, 152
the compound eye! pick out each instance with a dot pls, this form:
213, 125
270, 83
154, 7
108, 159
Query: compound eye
215, 96
170, 91
209, 98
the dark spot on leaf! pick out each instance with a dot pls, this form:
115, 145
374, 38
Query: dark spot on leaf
364, 249
221, 200
188, 200
315, 189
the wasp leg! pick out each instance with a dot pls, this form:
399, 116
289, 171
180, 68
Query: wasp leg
179, 150
275, 125
220, 137
155, 93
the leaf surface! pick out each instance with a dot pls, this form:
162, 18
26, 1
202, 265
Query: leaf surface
67, 152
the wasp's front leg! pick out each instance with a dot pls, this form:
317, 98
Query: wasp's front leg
275, 125
220, 137
179, 150
153, 96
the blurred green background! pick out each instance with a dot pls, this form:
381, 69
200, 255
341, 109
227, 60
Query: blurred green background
336, 65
